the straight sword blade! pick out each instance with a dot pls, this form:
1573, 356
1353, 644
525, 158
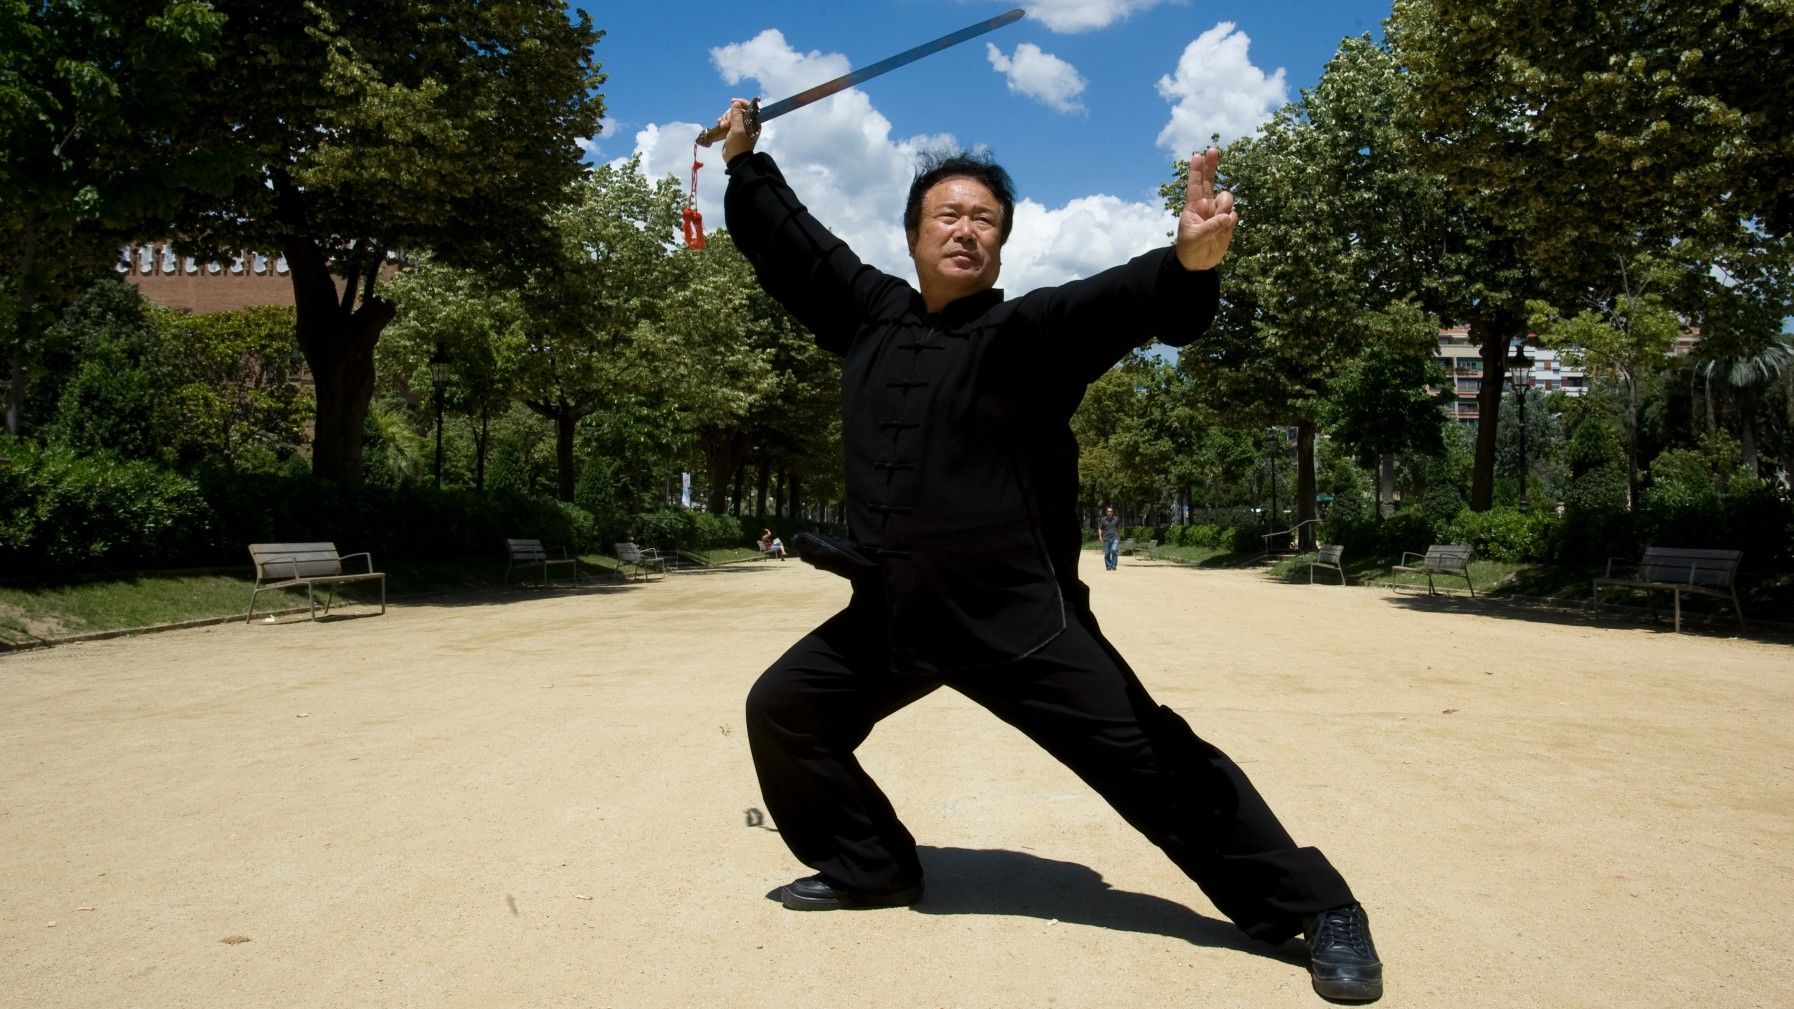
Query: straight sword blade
866, 73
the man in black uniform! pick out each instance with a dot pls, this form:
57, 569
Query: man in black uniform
964, 537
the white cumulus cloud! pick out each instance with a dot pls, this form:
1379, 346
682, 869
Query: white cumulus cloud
842, 161
1039, 75
1068, 16
1216, 89
1086, 236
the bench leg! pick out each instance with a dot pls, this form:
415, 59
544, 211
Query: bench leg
1737, 609
1678, 597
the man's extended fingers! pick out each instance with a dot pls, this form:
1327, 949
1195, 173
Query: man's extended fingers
1201, 186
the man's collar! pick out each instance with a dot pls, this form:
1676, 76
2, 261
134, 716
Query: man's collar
970, 307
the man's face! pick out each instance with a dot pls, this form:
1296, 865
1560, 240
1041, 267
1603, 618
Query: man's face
957, 244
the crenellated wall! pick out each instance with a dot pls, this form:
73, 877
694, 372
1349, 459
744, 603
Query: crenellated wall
187, 285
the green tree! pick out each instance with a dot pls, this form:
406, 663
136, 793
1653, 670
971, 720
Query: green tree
360, 132
232, 395
1629, 334
605, 289
1337, 222
93, 102
1127, 446
1381, 403
1597, 133
176, 389
1614, 114
477, 326
715, 355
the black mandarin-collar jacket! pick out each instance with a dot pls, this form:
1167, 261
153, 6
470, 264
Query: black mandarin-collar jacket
961, 467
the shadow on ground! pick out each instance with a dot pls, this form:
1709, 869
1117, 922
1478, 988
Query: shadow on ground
994, 881
1697, 618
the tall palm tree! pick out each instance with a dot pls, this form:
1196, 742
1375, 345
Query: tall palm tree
1748, 373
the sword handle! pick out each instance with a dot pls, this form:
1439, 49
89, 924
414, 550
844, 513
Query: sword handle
715, 133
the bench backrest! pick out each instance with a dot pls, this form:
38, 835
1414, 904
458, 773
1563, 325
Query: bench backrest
289, 560
526, 550
1328, 553
1713, 568
1448, 557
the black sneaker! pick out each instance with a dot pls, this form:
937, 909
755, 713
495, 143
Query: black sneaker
1342, 960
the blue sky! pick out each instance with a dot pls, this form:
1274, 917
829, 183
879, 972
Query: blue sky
1084, 101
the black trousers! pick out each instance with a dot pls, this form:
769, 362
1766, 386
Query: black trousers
1079, 700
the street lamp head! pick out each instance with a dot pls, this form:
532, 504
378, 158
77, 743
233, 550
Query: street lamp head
439, 367
1519, 366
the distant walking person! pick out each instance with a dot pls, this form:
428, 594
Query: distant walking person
1109, 527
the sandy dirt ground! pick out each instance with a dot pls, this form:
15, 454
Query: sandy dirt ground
541, 799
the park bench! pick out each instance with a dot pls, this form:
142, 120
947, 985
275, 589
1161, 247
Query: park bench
1439, 559
642, 559
1677, 570
532, 554
1327, 556
308, 565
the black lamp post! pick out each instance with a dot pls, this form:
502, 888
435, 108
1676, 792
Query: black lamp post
1271, 443
439, 377
1519, 370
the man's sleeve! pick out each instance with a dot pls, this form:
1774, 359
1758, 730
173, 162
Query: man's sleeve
799, 262
1078, 330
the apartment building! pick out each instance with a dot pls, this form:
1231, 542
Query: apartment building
1463, 364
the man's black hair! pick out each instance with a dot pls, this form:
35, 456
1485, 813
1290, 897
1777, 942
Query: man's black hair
945, 165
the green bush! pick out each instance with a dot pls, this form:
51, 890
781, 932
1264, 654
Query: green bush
61, 512
1504, 534
1408, 530
406, 522
1212, 536
690, 530
1243, 539
1591, 534
1751, 517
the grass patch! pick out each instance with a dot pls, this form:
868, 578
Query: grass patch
32, 615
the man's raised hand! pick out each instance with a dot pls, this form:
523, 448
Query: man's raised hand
741, 138
1207, 222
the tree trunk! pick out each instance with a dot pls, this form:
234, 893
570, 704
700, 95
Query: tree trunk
778, 494
480, 441
15, 386
1305, 503
1631, 443
1386, 484
564, 423
1492, 333
15, 392
1747, 429
794, 499
338, 343
740, 485
764, 478
723, 455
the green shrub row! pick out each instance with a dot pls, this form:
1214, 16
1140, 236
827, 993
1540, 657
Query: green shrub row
63, 513
60, 511
690, 530
1755, 519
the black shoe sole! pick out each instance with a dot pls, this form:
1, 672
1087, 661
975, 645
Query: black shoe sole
1349, 989
846, 900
